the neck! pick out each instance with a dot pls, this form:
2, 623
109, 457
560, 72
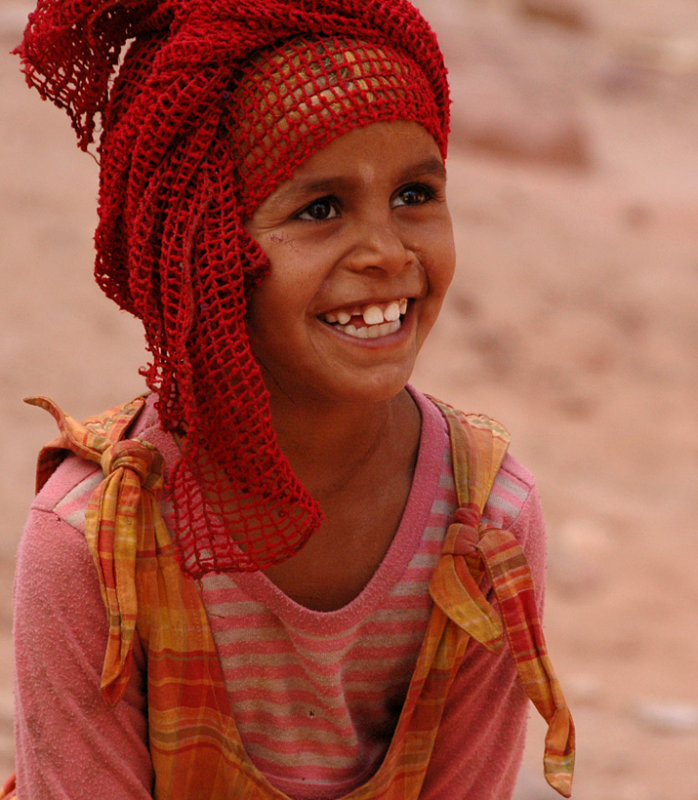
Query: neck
329, 445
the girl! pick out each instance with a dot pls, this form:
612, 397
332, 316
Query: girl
298, 553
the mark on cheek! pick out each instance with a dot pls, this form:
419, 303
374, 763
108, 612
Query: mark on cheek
281, 238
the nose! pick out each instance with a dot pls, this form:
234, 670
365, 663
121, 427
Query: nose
378, 244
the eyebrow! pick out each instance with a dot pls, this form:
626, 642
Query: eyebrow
429, 166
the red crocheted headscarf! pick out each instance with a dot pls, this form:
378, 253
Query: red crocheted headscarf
203, 109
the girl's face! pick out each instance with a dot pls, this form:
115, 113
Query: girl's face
361, 251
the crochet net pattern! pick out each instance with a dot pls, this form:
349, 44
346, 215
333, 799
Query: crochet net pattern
200, 109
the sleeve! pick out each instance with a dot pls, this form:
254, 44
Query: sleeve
480, 743
70, 744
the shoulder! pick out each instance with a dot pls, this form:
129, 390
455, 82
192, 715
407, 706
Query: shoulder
513, 503
53, 550
57, 591
514, 489
513, 492
66, 494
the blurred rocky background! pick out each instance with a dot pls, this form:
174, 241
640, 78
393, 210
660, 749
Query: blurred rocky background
573, 319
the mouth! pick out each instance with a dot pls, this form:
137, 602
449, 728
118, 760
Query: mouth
370, 321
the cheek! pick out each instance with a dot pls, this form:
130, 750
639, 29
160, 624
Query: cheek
441, 260
448, 255
288, 292
440, 270
448, 261
263, 307
276, 310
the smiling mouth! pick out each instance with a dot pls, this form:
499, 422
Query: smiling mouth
371, 321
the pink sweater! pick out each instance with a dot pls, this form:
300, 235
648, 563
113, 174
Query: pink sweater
314, 694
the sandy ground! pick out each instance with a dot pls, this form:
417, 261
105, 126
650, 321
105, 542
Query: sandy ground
574, 188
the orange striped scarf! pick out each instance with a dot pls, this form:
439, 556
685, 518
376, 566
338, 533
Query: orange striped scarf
194, 743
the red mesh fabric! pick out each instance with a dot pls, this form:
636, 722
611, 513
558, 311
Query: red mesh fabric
296, 97
202, 108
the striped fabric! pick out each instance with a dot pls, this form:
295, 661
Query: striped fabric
315, 696
194, 742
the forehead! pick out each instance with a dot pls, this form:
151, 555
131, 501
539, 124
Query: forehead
380, 156
381, 146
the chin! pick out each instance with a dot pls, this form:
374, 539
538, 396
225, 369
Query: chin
378, 388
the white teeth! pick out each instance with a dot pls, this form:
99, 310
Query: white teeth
373, 331
392, 312
373, 315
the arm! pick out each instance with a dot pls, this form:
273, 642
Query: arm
481, 738
70, 744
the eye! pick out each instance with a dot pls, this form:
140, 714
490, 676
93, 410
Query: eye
416, 194
320, 210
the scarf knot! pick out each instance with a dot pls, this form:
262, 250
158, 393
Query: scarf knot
137, 456
461, 540
455, 585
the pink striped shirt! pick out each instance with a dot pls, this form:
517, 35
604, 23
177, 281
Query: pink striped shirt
315, 695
